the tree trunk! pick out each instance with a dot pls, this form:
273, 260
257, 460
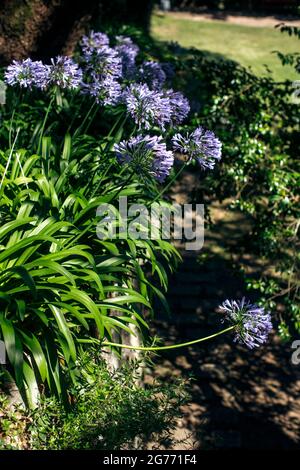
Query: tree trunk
41, 29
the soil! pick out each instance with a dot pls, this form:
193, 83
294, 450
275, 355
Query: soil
240, 398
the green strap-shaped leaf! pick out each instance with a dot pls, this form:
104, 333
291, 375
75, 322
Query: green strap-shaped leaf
64, 329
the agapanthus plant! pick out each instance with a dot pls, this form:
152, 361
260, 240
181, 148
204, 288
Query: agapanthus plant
250, 323
76, 176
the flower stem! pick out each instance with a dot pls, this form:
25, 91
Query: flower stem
92, 108
44, 122
9, 158
172, 346
101, 179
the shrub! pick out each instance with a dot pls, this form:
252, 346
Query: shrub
108, 412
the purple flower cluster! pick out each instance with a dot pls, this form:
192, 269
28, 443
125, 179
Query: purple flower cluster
104, 73
102, 63
252, 323
179, 105
106, 91
102, 68
201, 145
154, 108
146, 155
62, 72
90, 44
147, 108
152, 74
27, 73
128, 52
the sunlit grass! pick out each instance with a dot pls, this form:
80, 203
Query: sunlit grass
251, 46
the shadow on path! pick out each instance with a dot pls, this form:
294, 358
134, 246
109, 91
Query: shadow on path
240, 398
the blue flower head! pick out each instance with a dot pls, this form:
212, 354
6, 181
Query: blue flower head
64, 73
148, 108
146, 156
252, 323
127, 51
27, 74
201, 145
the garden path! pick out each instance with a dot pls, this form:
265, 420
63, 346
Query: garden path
240, 398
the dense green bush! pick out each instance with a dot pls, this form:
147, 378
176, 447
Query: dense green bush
108, 411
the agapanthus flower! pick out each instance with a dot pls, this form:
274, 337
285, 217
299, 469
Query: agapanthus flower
104, 62
146, 155
147, 107
152, 74
201, 145
64, 73
252, 323
27, 73
127, 51
106, 91
179, 104
93, 42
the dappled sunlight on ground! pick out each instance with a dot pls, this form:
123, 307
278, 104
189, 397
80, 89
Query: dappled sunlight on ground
240, 398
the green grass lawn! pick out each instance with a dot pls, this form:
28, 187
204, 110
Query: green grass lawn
249, 45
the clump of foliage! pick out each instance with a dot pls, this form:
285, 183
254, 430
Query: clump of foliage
65, 282
292, 58
107, 411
